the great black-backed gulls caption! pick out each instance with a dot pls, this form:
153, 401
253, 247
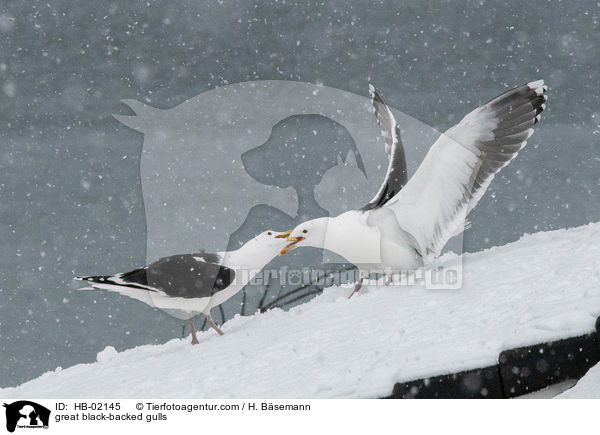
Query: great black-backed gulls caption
409, 222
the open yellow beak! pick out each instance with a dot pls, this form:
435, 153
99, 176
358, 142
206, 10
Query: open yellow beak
293, 240
284, 235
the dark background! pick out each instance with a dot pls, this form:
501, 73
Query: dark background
70, 195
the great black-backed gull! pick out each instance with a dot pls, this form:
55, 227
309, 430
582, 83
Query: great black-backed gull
194, 283
406, 223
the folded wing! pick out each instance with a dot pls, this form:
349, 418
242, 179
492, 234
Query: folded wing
186, 276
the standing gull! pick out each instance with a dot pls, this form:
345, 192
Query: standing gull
194, 283
406, 223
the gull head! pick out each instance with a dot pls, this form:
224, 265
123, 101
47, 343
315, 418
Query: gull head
310, 233
268, 241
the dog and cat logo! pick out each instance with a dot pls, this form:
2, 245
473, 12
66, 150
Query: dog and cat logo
26, 414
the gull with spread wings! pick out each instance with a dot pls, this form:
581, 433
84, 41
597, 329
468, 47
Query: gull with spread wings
409, 222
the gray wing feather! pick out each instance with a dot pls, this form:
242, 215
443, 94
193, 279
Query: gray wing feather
396, 175
516, 111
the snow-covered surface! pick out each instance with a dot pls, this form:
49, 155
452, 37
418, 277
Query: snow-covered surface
550, 392
587, 387
544, 287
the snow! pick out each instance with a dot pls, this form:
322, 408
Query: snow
550, 392
543, 287
587, 387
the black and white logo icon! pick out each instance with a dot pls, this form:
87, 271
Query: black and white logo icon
26, 414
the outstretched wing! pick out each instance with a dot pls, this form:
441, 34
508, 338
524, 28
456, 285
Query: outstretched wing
396, 175
461, 164
186, 276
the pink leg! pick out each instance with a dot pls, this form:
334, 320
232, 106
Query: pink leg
357, 287
213, 325
193, 329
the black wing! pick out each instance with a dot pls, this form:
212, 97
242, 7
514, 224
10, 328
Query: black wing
186, 276
396, 176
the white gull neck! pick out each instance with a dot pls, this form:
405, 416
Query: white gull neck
349, 237
250, 258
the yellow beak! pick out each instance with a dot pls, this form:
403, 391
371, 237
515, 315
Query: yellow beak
284, 235
293, 240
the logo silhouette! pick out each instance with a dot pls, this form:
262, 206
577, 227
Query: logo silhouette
24, 413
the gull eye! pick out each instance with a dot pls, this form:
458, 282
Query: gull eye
269, 233
305, 231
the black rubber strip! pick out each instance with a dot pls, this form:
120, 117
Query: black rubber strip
471, 384
532, 368
519, 371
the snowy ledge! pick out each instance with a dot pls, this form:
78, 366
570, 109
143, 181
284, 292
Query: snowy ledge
543, 288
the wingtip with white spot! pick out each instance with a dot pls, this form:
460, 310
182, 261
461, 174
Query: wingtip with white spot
538, 86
